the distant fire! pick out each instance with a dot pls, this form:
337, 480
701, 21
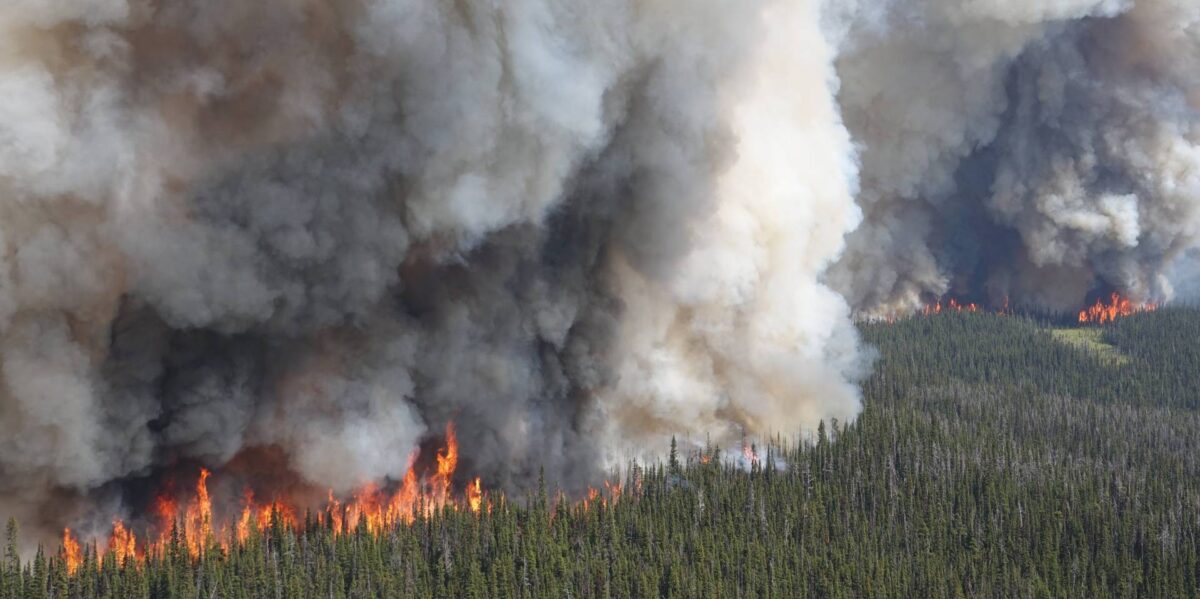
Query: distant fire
1101, 313
951, 305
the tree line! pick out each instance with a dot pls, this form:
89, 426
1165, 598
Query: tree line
991, 460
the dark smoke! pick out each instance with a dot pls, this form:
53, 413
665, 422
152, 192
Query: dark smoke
1025, 150
309, 234
304, 235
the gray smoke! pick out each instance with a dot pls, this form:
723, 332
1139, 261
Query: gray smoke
326, 229
322, 230
1043, 151
1184, 275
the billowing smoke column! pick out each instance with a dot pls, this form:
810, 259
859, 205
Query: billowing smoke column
322, 230
1043, 151
310, 233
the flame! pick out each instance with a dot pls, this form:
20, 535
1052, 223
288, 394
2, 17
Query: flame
593, 495
72, 554
371, 506
446, 463
334, 509
197, 524
1101, 313
750, 453
122, 543
246, 520
952, 305
475, 495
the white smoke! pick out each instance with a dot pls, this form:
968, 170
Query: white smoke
1184, 277
742, 333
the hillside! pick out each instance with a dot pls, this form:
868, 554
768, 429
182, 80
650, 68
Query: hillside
996, 457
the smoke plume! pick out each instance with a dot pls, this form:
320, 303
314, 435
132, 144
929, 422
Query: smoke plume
1043, 151
322, 230
311, 233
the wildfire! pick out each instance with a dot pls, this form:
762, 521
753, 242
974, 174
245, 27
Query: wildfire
72, 554
191, 522
596, 497
122, 543
1101, 313
447, 461
260, 517
951, 305
194, 527
750, 454
475, 496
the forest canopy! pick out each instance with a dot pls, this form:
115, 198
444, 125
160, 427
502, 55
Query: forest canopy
997, 456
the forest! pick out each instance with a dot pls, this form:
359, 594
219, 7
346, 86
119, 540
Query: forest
996, 456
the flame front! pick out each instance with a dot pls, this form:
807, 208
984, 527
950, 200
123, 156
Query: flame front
1101, 313
370, 506
952, 305
191, 522
1098, 313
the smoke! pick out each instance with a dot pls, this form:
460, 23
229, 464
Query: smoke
1184, 277
1039, 151
322, 230
311, 233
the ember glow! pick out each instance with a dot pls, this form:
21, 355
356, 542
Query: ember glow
1117, 307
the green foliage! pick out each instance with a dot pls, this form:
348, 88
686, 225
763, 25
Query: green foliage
1092, 339
992, 460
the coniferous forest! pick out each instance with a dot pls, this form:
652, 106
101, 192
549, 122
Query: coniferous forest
996, 456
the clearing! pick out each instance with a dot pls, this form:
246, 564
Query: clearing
1090, 339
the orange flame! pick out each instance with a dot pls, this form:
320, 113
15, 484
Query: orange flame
197, 523
241, 530
750, 453
475, 496
1101, 313
446, 463
370, 506
951, 305
72, 554
614, 490
593, 495
122, 543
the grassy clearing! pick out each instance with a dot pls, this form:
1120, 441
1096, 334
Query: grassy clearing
1090, 339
